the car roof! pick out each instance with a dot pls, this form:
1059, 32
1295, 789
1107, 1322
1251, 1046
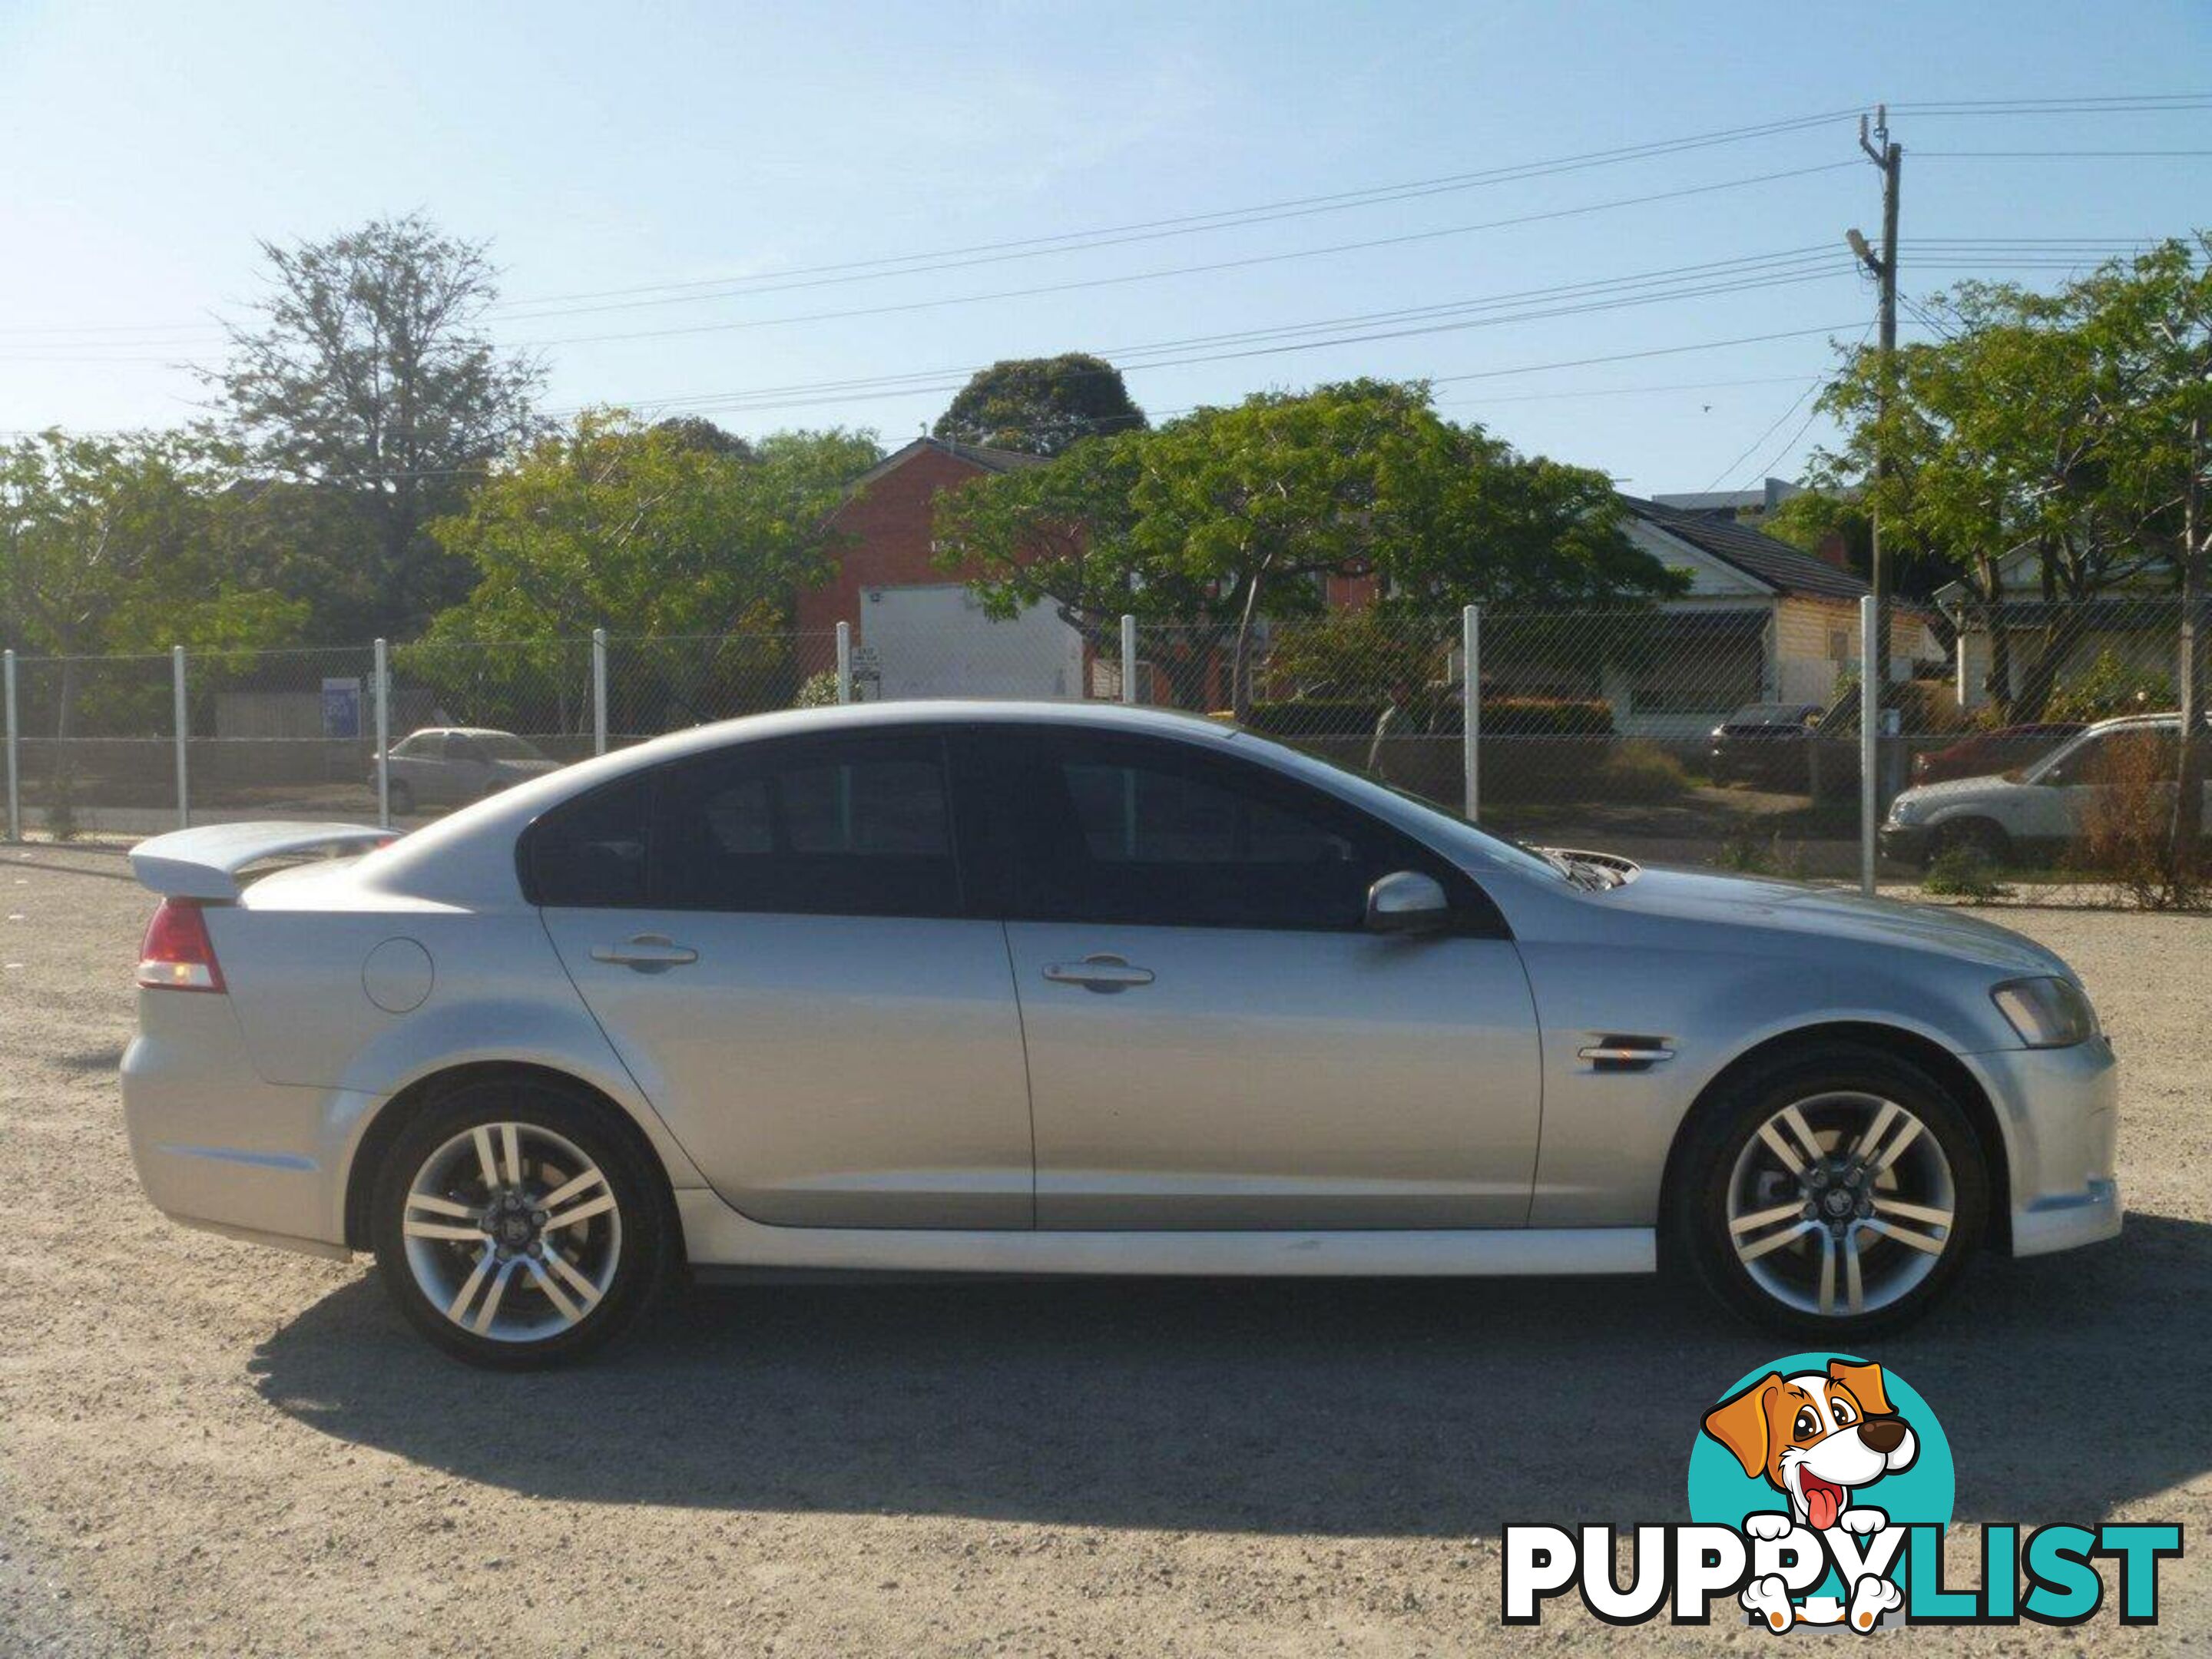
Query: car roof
2122, 722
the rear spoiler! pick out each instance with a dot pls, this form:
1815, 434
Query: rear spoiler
204, 864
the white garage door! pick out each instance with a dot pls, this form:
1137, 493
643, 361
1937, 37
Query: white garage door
937, 642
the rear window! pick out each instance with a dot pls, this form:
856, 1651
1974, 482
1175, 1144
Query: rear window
849, 827
853, 826
590, 852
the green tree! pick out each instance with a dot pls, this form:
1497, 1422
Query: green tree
700, 433
2052, 427
641, 529
367, 374
1040, 404
115, 545
1215, 521
120, 546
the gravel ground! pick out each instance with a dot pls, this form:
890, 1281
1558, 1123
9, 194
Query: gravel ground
207, 1449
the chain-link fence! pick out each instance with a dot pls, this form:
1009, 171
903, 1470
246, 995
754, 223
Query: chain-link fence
1722, 733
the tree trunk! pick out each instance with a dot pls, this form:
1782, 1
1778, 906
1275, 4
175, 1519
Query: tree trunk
1240, 672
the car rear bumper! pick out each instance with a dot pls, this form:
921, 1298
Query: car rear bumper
217, 1147
2060, 1110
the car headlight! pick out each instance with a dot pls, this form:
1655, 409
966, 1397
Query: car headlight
2047, 1012
1903, 810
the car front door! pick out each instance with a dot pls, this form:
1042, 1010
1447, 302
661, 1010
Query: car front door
775, 939
1214, 1039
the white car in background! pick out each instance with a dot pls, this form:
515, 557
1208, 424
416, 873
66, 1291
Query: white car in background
454, 765
2037, 808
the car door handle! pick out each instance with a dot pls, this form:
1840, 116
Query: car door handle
1098, 973
648, 953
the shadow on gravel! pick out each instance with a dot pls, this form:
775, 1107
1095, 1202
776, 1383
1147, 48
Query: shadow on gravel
1404, 1407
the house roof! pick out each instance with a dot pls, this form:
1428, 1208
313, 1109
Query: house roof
1773, 564
979, 455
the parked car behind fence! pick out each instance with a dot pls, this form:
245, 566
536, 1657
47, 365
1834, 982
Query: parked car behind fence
451, 766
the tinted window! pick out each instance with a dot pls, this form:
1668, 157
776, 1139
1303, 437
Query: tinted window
854, 827
1107, 830
590, 853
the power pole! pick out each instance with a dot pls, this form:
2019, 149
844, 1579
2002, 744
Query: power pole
1890, 158
2196, 648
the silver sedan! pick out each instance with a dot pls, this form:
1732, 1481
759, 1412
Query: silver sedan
1057, 989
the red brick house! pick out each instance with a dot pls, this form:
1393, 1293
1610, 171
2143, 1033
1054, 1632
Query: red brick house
917, 631
1761, 620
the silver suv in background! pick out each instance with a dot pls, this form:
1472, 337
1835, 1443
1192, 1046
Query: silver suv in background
2036, 809
452, 765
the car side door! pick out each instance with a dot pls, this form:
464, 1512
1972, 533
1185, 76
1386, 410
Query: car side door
1215, 1038
776, 938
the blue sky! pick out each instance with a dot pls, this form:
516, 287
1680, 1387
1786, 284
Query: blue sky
601, 148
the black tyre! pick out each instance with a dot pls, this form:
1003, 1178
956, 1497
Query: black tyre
1835, 1194
519, 1225
1978, 836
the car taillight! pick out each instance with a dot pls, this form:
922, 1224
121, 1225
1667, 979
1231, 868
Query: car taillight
177, 954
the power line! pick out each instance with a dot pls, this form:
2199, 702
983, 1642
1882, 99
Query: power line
2045, 155
1795, 403
1788, 261
804, 396
1185, 271
1226, 218
1147, 230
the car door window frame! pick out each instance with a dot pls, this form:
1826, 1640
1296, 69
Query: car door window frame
1001, 770
657, 785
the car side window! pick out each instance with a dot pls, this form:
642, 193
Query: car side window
1114, 830
850, 826
590, 852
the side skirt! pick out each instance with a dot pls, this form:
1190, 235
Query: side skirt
716, 1238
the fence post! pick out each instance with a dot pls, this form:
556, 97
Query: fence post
599, 691
14, 798
177, 692
1130, 658
844, 662
1869, 738
380, 672
1470, 696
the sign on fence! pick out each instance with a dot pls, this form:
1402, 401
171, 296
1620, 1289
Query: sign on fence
342, 706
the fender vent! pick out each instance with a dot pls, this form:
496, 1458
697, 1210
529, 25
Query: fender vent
1625, 1052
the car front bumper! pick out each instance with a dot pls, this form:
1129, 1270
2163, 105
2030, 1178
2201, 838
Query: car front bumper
1907, 843
2059, 1108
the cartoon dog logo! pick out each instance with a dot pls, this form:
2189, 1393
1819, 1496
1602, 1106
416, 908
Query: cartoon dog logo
1818, 1438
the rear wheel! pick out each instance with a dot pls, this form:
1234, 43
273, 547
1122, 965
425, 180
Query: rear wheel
517, 1225
1837, 1194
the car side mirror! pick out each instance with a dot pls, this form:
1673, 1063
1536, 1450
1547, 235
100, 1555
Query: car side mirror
1406, 902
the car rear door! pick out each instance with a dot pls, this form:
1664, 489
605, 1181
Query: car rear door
775, 939
1214, 1040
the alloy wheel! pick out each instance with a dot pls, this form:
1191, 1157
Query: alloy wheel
1841, 1203
512, 1232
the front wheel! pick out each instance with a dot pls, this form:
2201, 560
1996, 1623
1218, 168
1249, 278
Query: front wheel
1979, 836
1836, 1194
517, 1225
